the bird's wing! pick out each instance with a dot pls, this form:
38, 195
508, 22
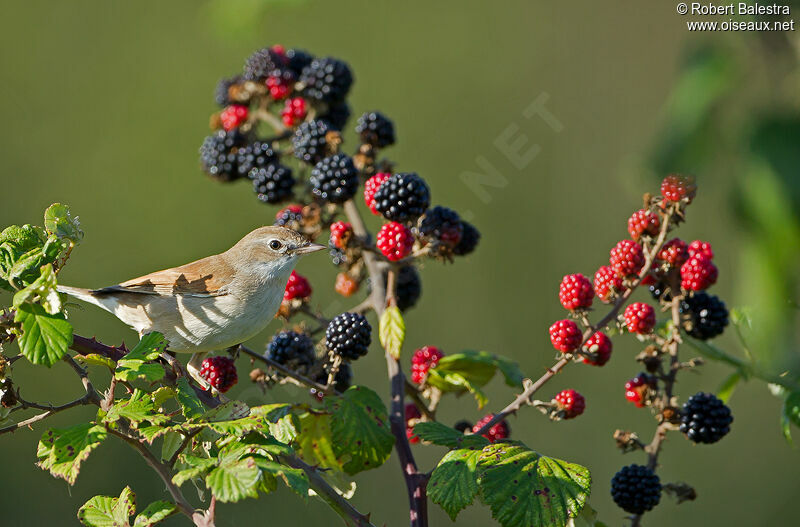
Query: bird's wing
206, 277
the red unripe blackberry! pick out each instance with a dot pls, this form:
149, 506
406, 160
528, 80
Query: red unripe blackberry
219, 372
371, 186
345, 285
341, 231
626, 258
565, 336
675, 188
636, 489
701, 247
497, 432
674, 252
575, 292
395, 241
640, 318
643, 222
698, 273
600, 345
233, 116
294, 111
423, 360
637, 390
297, 287
412, 414
280, 84
570, 402
607, 283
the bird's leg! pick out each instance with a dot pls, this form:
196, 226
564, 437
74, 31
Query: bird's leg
193, 367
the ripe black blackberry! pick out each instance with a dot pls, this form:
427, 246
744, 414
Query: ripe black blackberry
326, 79
342, 379
273, 183
291, 217
660, 291
375, 129
309, 141
348, 335
636, 489
463, 426
334, 179
292, 349
403, 197
338, 256
254, 155
705, 419
218, 154
704, 316
442, 224
408, 287
470, 236
222, 93
337, 115
262, 63
298, 59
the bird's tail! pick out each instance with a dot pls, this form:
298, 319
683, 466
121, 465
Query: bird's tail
87, 295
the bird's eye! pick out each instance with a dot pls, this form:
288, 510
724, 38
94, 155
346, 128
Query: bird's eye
275, 245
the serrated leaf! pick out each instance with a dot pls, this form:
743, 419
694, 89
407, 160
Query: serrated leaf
97, 360
443, 435
149, 347
187, 398
315, 442
58, 220
138, 408
154, 513
134, 365
360, 429
470, 370
457, 383
62, 450
454, 482
294, 478
283, 424
234, 480
106, 511
727, 387
44, 338
197, 467
523, 488
172, 441
44, 288
392, 331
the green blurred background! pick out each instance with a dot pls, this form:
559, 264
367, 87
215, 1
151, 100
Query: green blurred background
106, 103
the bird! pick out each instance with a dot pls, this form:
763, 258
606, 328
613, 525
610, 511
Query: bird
210, 304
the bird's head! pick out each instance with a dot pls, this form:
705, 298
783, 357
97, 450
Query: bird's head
271, 251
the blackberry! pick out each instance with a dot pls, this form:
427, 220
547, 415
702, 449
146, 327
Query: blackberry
326, 80
660, 291
341, 381
462, 426
292, 349
222, 93
338, 256
218, 154
219, 372
443, 225
636, 489
309, 141
291, 217
705, 419
262, 63
375, 129
403, 197
348, 335
334, 179
470, 236
337, 115
272, 184
408, 288
705, 316
255, 155
298, 59
280, 83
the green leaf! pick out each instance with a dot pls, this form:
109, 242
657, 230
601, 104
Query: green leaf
187, 398
138, 408
58, 220
443, 435
469, 370
360, 426
44, 288
62, 450
392, 331
44, 338
283, 425
197, 467
523, 488
458, 383
148, 348
586, 518
97, 360
234, 480
453, 484
790, 414
727, 387
315, 442
294, 478
134, 364
105, 511
172, 441
154, 513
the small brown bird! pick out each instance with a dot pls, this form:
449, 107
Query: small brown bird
213, 303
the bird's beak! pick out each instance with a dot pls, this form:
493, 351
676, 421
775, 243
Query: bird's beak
310, 248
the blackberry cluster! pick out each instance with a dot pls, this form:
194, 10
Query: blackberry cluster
254, 155
337, 115
273, 183
222, 94
705, 316
403, 197
375, 129
326, 80
334, 179
636, 489
293, 350
309, 141
443, 225
705, 419
470, 236
263, 63
348, 335
218, 154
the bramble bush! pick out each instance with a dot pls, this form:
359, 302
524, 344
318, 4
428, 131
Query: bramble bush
280, 130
